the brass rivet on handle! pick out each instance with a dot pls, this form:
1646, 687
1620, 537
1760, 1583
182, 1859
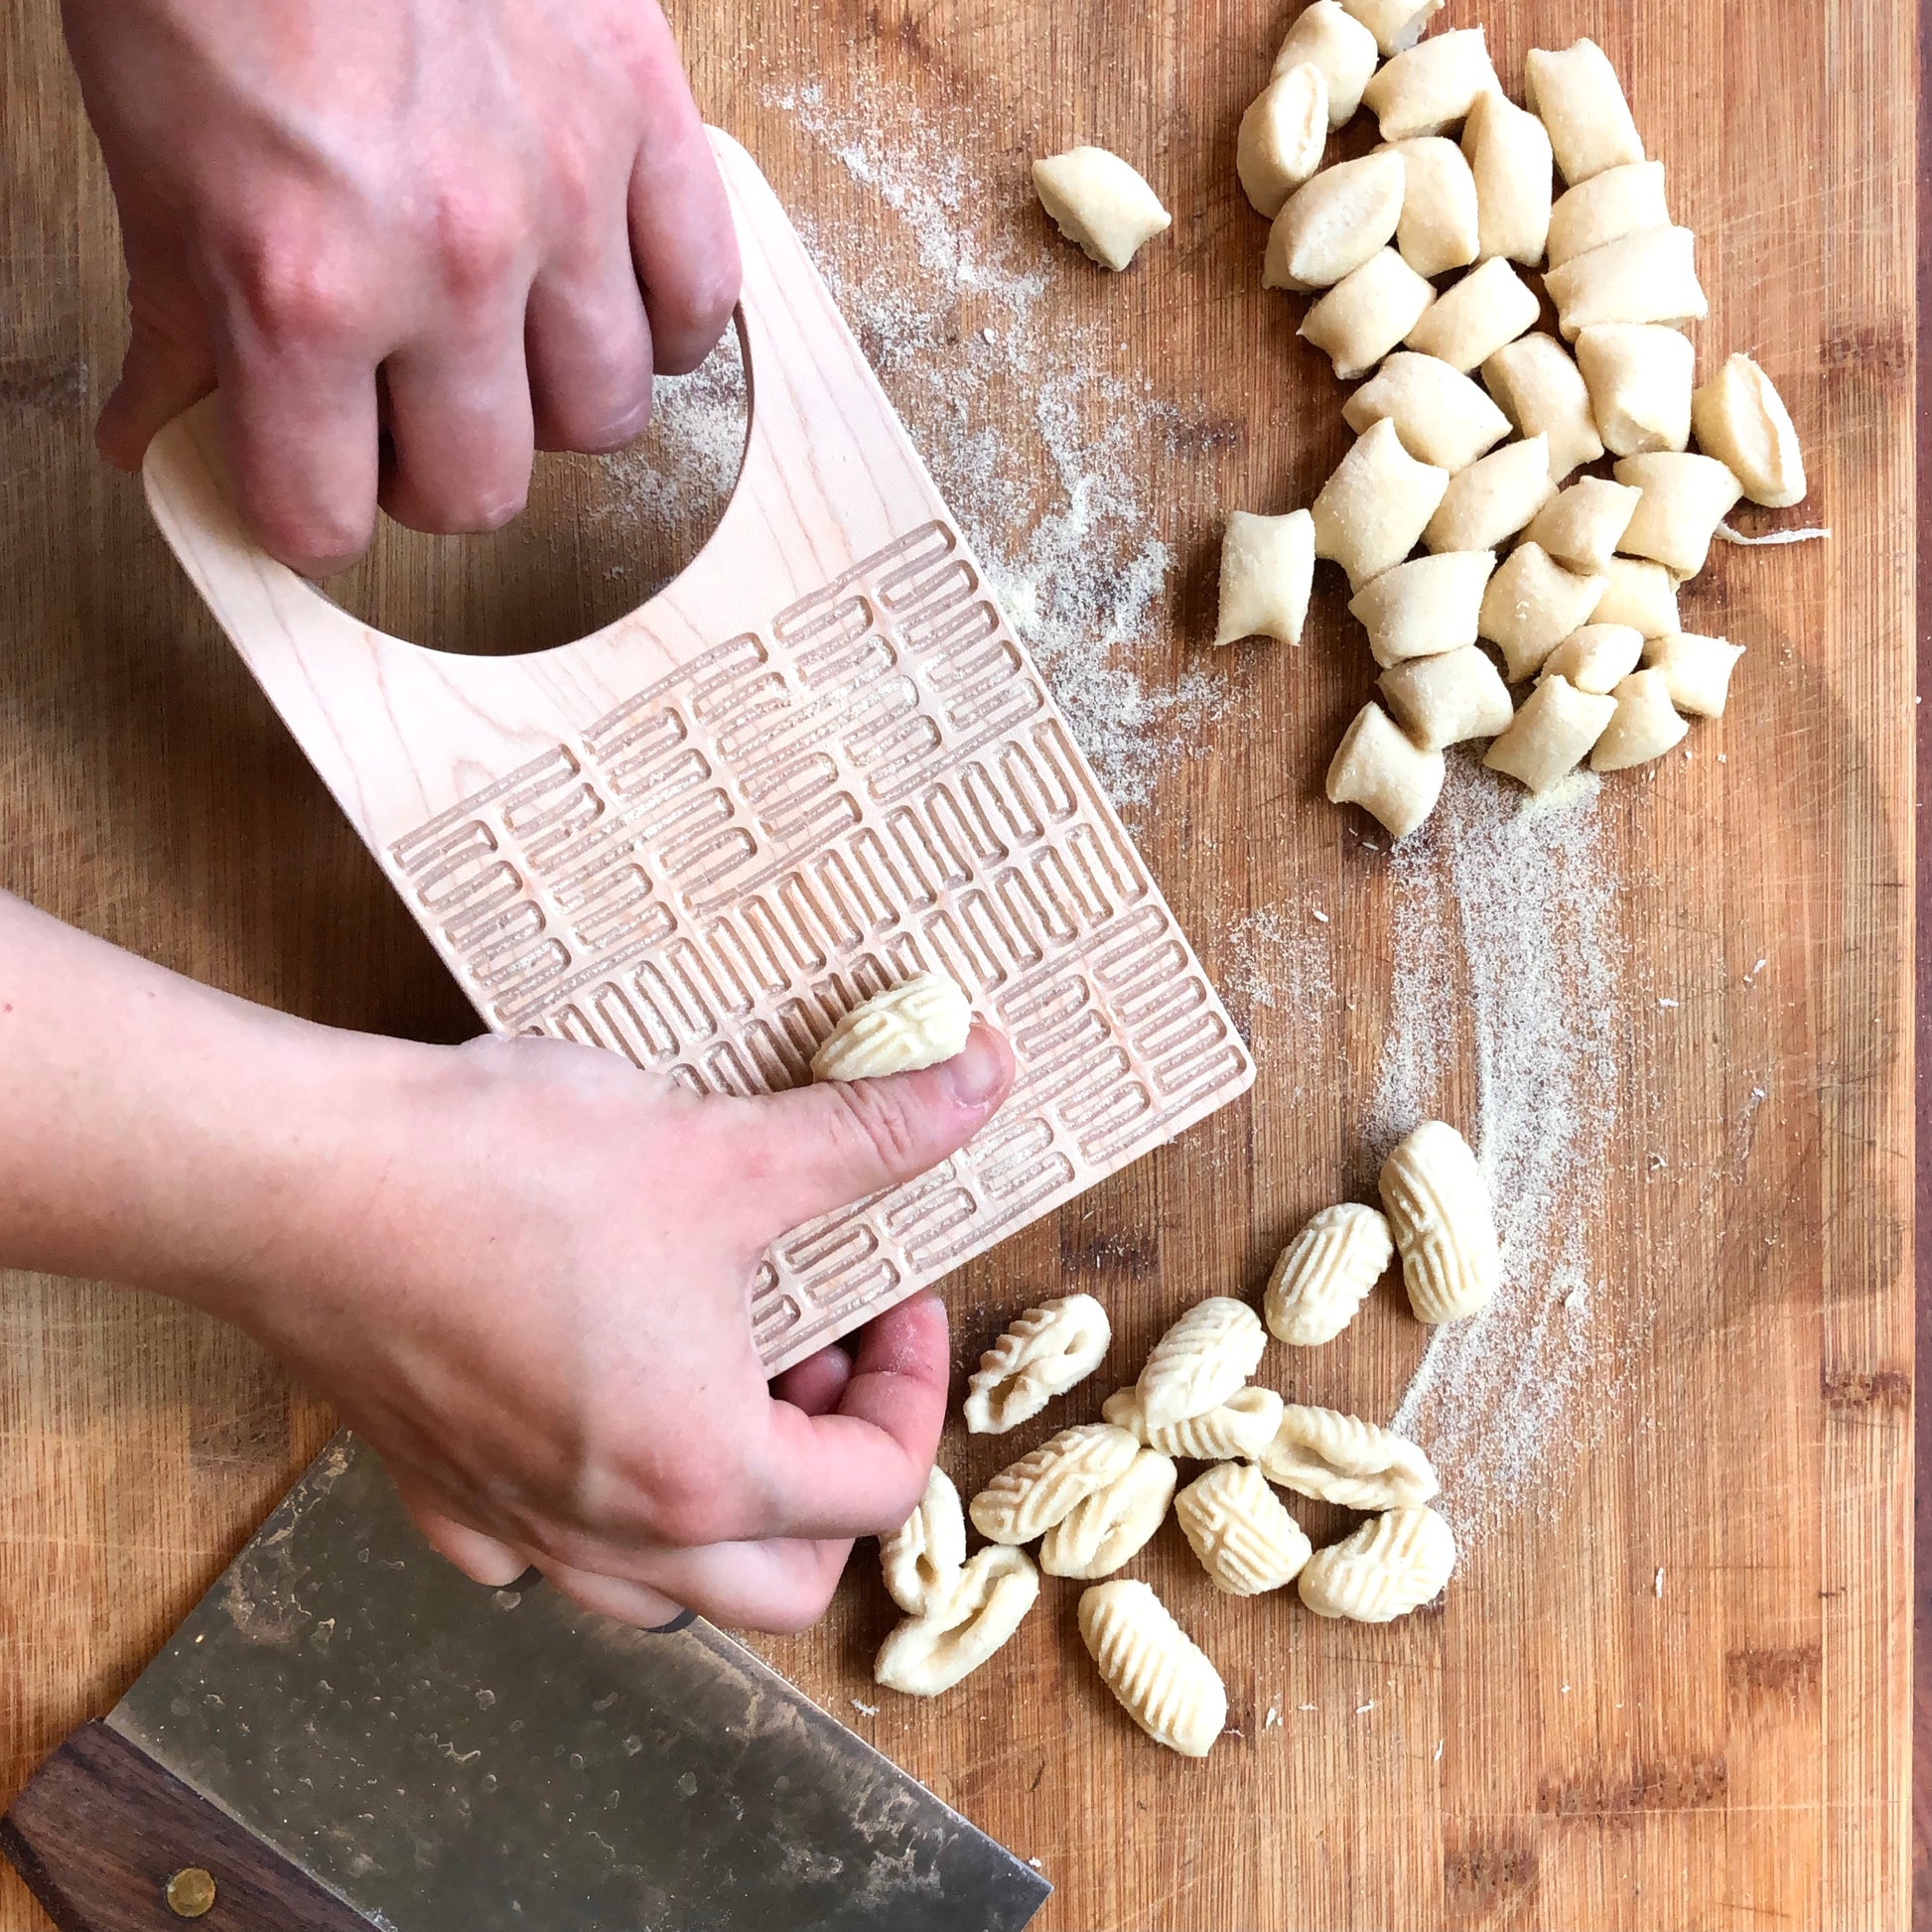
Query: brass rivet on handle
191, 1892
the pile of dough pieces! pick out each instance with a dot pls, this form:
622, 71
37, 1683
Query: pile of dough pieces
1094, 1495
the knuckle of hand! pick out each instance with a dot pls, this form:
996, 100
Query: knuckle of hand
478, 239
299, 295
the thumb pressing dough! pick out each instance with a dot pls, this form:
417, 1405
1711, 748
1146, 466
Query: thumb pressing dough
1100, 203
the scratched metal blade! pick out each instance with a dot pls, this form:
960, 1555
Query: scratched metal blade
452, 1759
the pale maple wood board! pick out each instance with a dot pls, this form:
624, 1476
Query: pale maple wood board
1732, 1754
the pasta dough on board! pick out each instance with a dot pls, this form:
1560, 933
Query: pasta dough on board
1379, 768
1509, 154
1339, 1458
1202, 1360
1324, 1275
1596, 658
1368, 312
929, 1654
1577, 95
923, 1558
1644, 278
1100, 203
1645, 725
1606, 208
1237, 1526
1392, 1565
1582, 527
1489, 307
1696, 670
1240, 1427
1430, 85
1685, 498
1333, 223
1448, 700
1267, 577
1374, 508
1639, 376
1484, 506
1531, 604
1331, 38
1161, 1678
1437, 1204
1542, 392
1439, 228
1282, 137
1442, 417
916, 1023
1113, 1525
1551, 734
1044, 1353
1641, 595
1026, 1498
1740, 419
1425, 608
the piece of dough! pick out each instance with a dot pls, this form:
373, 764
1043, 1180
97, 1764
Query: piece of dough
1445, 1228
1283, 135
1396, 24
1442, 417
1596, 658
1643, 596
1432, 85
1490, 501
1113, 1525
1644, 727
1238, 1428
1202, 1360
1606, 208
1328, 37
1392, 1565
1696, 670
1579, 99
1448, 700
1509, 156
1100, 203
1339, 1458
1639, 376
1324, 1275
1026, 1498
918, 1023
1542, 392
1489, 307
930, 1653
1366, 313
1740, 419
1044, 1353
1531, 604
923, 1558
1267, 576
1685, 498
1425, 608
1162, 1679
1373, 509
1437, 230
1583, 527
1649, 277
1381, 769
1333, 223
1555, 726
1237, 1526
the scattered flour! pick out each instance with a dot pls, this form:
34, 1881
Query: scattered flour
1274, 958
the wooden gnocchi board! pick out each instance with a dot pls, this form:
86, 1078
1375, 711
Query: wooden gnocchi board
1730, 1750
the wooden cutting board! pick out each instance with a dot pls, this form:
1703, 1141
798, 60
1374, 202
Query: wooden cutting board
1670, 1686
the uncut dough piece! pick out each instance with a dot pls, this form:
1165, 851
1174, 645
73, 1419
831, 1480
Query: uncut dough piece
1115, 1523
1373, 509
1239, 1428
1596, 658
1100, 203
1162, 1679
1200, 1361
1267, 577
1328, 37
1396, 24
1606, 208
1026, 1498
1366, 313
1685, 498
1330, 225
1645, 726
1324, 1275
1489, 307
1542, 392
1583, 527
923, 1558
1044, 1353
1430, 86
1392, 1565
1696, 670
1509, 156
1531, 604
1484, 506
985, 1604
1237, 1526
1427, 608
1283, 135
1437, 230
1448, 700
1339, 1458
1442, 417
1639, 376
1740, 419
1644, 278
918, 1023
1579, 99
1556, 726
1643, 596
1445, 1229
1380, 768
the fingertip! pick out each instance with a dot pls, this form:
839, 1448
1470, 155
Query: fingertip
981, 1075
815, 1384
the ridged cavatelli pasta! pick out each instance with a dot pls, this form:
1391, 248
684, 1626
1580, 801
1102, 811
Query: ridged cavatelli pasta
1325, 1273
1044, 1355
1113, 1525
1028, 1497
1439, 1209
1200, 1361
984, 1607
924, 1557
918, 1023
1246, 1541
1392, 1565
1341, 1458
1238, 1431
1164, 1682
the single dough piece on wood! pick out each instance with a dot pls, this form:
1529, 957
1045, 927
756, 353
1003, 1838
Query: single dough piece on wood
1583, 527
1331, 224
1426, 608
1432, 85
1100, 203
1283, 135
1200, 1361
918, 1023
1580, 99
1531, 604
1596, 658
1442, 417
1639, 376
1376, 505
1239, 1428
1556, 726
1331, 38
1392, 1565
1641, 595
1381, 769
1445, 1229
1339, 1458
1366, 313
1448, 700
1115, 1523
1324, 1275
1606, 208
1437, 230
1237, 1526
985, 1604
1685, 498
1740, 419
1396, 24
1644, 727
1490, 306
1490, 501
1266, 575
1644, 278
1509, 154
1696, 670
1044, 1353
1026, 1498
1542, 392
1162, 1679
923, 1558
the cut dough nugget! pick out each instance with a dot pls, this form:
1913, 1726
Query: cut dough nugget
1509, 156
1437, 230
1200, 1361
1237, 1526
1044, 1355
1581, 528
1445, 1229
1489, 307
1339, 1458
1685, 498
1606, 208
1442, 417
1426, 608
1644, 278
1580, 99
1239, 1428
1741, 420
1448, 700
1026, 1498
1484, 506
1596, 658
985, 1604
1164, 1680
1328, 37
1696, 670
1542, 392
1266, 575
1555, 726
1392, 1565
1368, 312
1113, 1525
1283, 135
1639, 376
923, 1558
1376, 505
916, 1023
1324, 1275
1331, 224
1100, 203
1432, 85
1641, 595
1645, 726
1531, 604
1396, 24
1382, 769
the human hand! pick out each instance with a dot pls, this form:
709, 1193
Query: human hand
409, 239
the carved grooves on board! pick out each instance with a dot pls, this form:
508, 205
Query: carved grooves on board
705, 878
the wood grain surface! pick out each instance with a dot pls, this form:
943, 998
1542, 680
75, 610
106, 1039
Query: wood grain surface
1564, 1743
